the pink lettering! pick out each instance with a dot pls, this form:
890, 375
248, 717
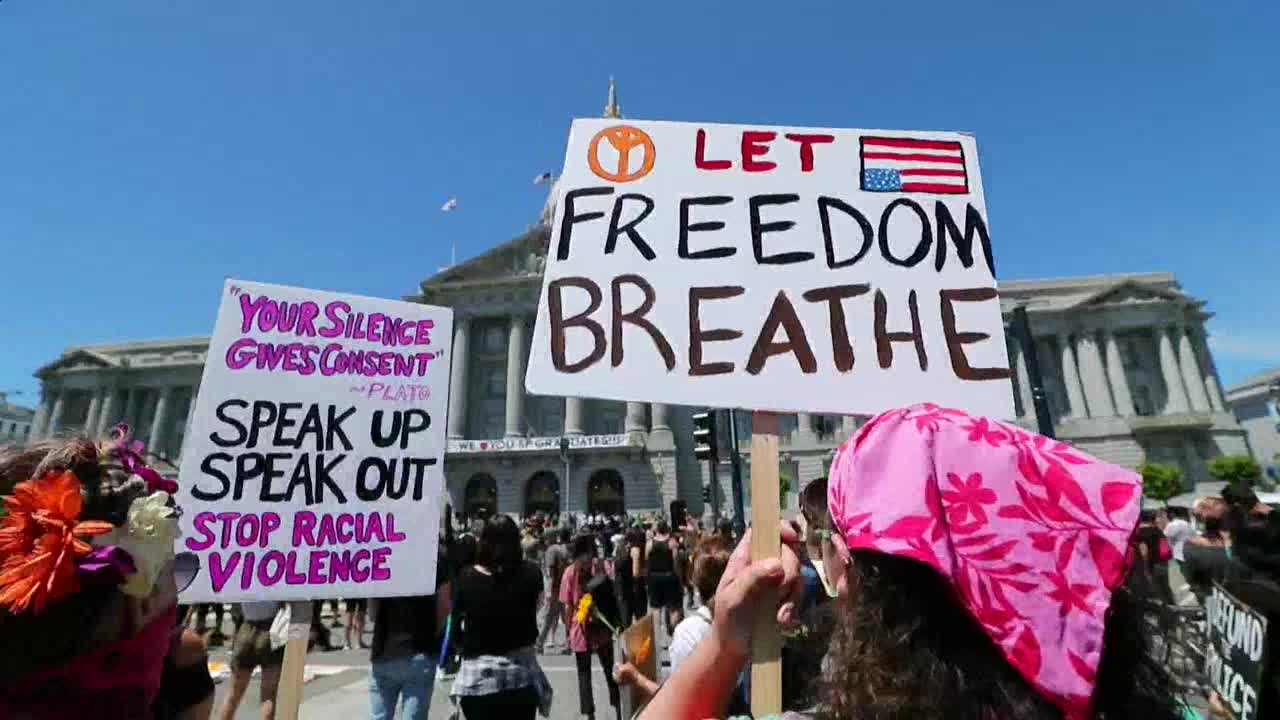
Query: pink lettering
359, 573
380, 570
219, 573
291, 575
304, 526
392, 535
201, 523
315, 568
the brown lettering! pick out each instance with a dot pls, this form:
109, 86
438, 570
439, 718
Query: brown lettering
559, 323
782, 314
956, 340
885, 339
697, 335
637, 317
841, 346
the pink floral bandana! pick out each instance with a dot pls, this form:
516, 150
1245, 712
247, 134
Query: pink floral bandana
1032, 533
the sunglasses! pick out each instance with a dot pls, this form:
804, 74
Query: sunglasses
186, 566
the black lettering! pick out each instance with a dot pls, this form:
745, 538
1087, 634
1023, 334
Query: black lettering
363, 491
571, 218
682, 248
208, 470
248, 466
335, 428
825, 204
973, 225
375, 431
324, 479
271, 472
301, 477
221, 413
629, 229
758, 229
284, 423
926, 234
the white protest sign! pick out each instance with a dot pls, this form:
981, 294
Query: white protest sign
771, 268
314, 463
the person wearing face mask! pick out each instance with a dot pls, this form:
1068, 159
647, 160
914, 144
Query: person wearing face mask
979, 573
88, 579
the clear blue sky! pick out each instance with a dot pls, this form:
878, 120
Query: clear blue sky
149, 149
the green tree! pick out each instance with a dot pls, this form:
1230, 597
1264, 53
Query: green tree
1236, 470
1160, 482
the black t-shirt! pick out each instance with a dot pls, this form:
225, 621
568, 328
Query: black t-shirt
404, 626
499, 613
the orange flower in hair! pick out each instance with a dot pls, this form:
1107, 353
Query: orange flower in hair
41, 538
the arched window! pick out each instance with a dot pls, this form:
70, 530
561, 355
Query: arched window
605, 494
481, 497
542, 493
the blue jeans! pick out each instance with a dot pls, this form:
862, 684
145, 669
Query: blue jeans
410, 677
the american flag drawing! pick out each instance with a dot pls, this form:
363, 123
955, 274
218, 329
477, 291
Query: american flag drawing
911, 165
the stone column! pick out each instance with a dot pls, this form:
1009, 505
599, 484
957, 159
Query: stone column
1177, 401
156, 443
105, 419
458, 378
1211, 385
1191, 374
1071, 378
573, 416
42, 416
1115, 371
635, 418
191, 412
515, 377
1024, 382
95, 406
804, 427
1094, 376
55, 415
659, 413
849, 424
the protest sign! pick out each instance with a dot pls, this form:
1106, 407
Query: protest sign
1235, 657
314, 463
771, 268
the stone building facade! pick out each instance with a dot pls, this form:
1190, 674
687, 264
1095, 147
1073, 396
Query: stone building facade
15, 422
1256, 404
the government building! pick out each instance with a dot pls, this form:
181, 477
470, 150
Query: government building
1128, 376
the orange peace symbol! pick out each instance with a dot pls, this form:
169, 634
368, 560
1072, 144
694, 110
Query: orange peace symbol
623, 139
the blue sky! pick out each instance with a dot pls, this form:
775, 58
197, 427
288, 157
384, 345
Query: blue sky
149, 149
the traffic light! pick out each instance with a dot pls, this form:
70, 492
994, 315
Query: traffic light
705, 437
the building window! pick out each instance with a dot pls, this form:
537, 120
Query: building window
1142, 401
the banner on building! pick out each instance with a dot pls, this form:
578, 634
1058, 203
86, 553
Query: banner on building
774, 268
1236, 658
314, 463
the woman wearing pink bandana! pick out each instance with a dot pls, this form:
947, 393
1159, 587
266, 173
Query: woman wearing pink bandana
88, 588
979, 572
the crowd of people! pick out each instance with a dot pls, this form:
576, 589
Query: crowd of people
948, 567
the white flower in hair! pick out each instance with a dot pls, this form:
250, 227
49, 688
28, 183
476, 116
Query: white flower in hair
148, 537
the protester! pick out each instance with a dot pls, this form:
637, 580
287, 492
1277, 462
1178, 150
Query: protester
186, 687
1154, 553
979, 574
586, 638
1178, 531
1207, 555
88, 587
557, 561
496, 604
633, 581
201, 612
663, 581
251, 649
355, 624
405, 649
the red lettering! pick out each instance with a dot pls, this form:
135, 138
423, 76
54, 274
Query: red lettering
699, 152
807, 142
754, 144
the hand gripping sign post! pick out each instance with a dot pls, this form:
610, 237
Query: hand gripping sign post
775, 269
313, 465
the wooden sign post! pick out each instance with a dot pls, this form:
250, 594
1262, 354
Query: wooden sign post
289, 696
766, 637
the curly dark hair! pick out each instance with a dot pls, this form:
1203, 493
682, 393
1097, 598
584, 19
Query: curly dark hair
72, 626
905, 648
